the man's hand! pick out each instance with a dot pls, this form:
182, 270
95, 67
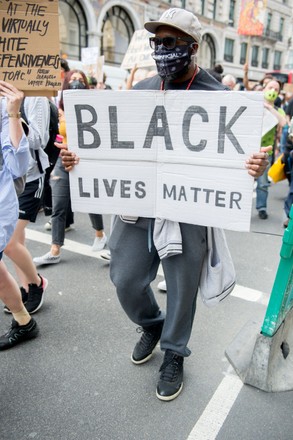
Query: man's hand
258, 162
69, 159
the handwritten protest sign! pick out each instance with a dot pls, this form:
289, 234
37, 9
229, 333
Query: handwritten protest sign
178, 155
139, 51
92, 62
29, 46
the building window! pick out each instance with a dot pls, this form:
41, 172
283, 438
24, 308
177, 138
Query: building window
117, 31
281, 28
269, 20
215, 10
202, 7
229, 50
265, 58
207, 53
72, 28
277, 60
232, 12
243, 53
254, 56
290, 60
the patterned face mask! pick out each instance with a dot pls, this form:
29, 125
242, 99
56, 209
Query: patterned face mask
172, 63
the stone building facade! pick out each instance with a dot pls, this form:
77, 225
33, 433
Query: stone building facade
110, 24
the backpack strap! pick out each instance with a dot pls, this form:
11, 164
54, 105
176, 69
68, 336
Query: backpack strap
22, 111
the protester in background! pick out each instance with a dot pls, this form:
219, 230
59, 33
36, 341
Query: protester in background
216, 72
229, 81
134, 264
137, 74
92, 82
33, 285
263, 82
288, 158
130, 78
64, 67
271, 91
284, 135
74, 80
102, 84
14, 162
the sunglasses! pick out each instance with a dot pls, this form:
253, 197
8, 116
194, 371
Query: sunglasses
168, 42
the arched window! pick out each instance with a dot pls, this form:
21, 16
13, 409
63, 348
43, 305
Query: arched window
117, 31
207, 52
72, 28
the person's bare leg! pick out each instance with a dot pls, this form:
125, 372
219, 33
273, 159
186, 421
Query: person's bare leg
10, 295
19, 254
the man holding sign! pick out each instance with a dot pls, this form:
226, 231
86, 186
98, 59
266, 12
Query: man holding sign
135, 253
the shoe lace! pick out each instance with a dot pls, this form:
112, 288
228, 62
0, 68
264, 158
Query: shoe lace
11, 329
171, 367
146, 338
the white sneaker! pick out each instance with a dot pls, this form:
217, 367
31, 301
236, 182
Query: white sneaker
48, 226
99, 243
162, 286
105, 255
48, 258
69, 228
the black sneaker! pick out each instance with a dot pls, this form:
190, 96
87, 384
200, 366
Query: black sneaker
171, 379
24, 296
144, 348
19, 333
36, 296
263, 214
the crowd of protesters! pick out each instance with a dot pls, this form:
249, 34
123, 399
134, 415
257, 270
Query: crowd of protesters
170, 35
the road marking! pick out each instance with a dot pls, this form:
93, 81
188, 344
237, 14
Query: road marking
241, 292
250, 294
212, 419
218, 408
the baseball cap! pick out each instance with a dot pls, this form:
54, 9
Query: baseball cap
179, 19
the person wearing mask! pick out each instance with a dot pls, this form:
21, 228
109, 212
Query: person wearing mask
14, 162
73, 80
271, 92
288, 158
133, 265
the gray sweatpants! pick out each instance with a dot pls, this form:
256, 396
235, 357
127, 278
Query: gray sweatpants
133, 267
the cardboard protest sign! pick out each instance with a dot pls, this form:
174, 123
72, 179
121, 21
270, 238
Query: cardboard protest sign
29, 43
180, 156
139, 51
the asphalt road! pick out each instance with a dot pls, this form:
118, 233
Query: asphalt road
76, 381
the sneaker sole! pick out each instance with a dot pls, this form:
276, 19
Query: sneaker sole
46, 263
142, 361
168, 398
46, 282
